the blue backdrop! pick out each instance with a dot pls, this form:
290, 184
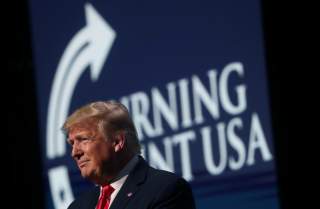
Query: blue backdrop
192, 74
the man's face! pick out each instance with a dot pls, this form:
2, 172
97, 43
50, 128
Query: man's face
93, 153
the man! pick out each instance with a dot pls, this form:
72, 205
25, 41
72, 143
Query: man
106, 149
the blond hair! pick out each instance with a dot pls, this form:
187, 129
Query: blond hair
110, 117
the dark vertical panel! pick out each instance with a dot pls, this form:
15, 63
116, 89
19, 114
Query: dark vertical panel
24, 176
276, 22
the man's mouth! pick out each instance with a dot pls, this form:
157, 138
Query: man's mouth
82, 163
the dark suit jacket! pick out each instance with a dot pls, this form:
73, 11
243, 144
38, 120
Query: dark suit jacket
149, 188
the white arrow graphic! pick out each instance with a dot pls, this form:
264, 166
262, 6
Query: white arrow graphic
89, 47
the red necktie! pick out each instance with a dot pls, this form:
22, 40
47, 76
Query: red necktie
104, 200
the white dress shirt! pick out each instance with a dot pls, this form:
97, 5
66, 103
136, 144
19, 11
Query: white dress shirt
118, 182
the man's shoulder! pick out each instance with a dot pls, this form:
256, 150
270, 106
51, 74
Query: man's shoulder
155, 174
158, 173
166, 178
170, 188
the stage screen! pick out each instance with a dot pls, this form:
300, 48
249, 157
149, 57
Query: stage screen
193, 76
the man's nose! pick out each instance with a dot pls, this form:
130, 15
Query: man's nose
76, 151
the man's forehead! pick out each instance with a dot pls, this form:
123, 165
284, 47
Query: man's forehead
82, 129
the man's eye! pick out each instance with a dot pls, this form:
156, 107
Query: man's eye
85, 139
70, 142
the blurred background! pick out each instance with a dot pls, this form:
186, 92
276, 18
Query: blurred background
23, 125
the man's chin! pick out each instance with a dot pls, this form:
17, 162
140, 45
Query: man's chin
85, 173
89, 175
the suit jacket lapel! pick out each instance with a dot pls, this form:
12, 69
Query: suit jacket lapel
94, 198
131, 185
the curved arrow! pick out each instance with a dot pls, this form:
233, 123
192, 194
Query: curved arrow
89, 47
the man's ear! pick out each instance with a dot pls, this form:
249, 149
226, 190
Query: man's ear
119, 141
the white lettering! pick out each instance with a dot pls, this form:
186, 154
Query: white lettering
161, 107
185, 103
183, 140
257, 140
207, 149
157, 160
140, 111
236, 143
241, 90
201, 95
